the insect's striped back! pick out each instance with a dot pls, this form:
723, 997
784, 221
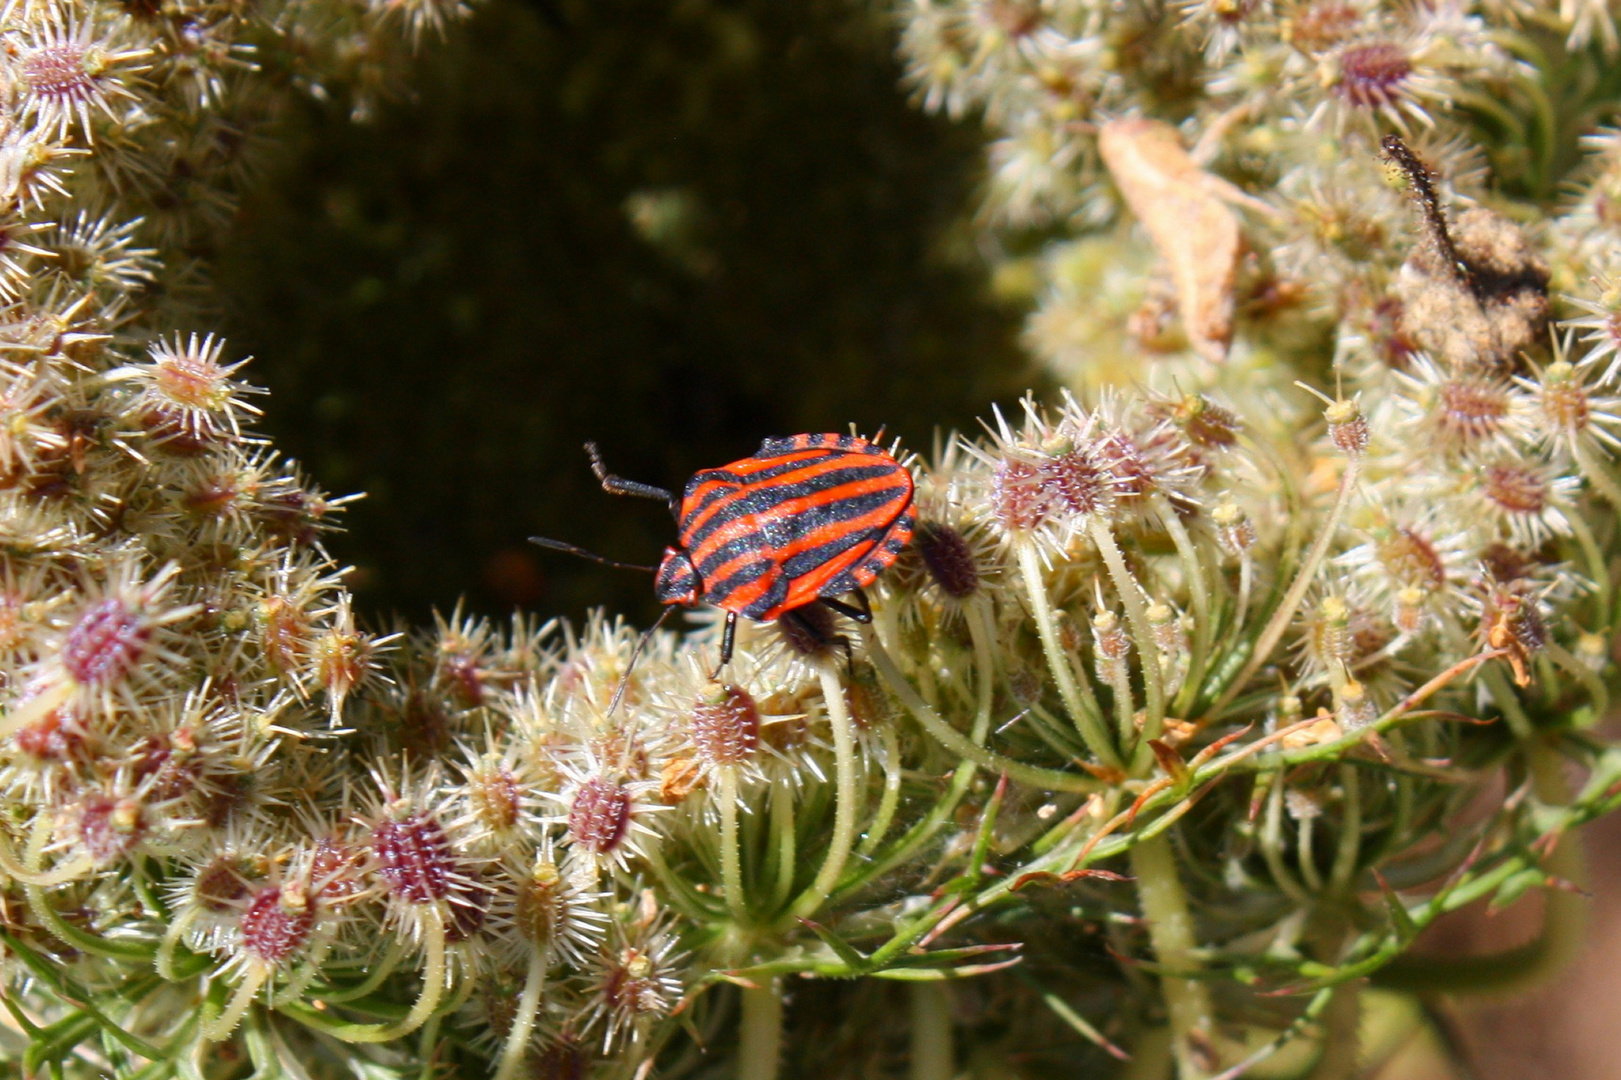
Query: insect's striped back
806, 517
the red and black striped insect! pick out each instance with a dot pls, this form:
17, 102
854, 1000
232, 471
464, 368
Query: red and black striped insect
806, 520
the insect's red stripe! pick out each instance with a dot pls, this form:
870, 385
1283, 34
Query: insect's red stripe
695, 512
828, 561
747, 524
818, 579
882, 514
716, 524
808, 588
740, 598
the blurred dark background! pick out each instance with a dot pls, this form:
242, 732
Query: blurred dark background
672, 227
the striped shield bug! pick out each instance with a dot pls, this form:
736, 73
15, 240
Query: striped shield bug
806, 520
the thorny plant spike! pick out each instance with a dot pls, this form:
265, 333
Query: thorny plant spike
1173, 727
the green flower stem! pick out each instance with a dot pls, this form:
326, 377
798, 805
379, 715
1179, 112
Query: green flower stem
891, 800
307, 972
1199, 586
1343, 876
221, 1026
1592, 555
960, 744
1142, 635
1087, 721
1175, 939
731, 869
433, 988
760, 1042
1598, 473
782, 828
1278, 624
83, 940
1564, 919
932, 1057
523, 1021
1305, 856
383, 969
907, 845
1519, 722
1341, 1042
845, 794
1272, 845
71, 870
1125, 707
1590, 680
982, 633
164, 960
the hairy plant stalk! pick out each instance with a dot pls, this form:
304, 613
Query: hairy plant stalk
759, 1048
1131, 595
731, 868
932, 1050
1175, 940
846, 794
1086, 721
1278, 624
523, 1020
958, 743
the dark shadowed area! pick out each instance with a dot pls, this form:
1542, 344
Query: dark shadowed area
675, 228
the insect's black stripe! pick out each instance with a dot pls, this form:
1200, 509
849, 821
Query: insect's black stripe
854, 444
804, 561
762, 476
718, 591
782, 532
762, 498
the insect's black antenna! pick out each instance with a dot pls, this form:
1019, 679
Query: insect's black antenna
641, 643
618, 485
558, 545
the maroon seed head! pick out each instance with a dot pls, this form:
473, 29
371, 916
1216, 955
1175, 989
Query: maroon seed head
1516, 489
105, 644
1371, 75
1079, 482
57, 71
599, 818
811, 632
335, 870
537, 905
220, 884
725, 726
1472, 410
1411, 559
416, 861
57, 736
277, 923
495, 797
561, 1060
1017, 499
949, 559
109, 827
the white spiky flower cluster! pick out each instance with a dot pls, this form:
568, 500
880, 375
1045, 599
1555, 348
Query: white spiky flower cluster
1194, 683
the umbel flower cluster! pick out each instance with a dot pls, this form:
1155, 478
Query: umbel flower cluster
1193, 702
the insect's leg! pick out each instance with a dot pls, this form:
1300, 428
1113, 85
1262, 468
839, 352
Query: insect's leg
815, 633
728, 639
618, 485
861, 613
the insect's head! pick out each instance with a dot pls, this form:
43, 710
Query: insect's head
677, 581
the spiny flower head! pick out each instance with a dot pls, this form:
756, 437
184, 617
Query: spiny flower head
185, 395
67, 66
636, 980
